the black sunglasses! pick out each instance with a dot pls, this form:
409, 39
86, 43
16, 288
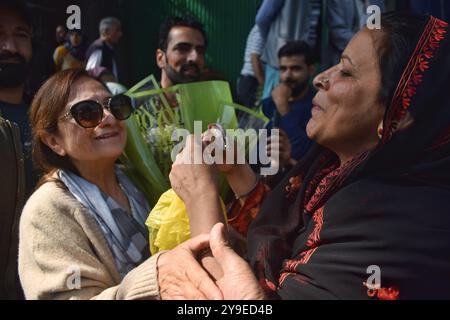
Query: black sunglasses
89, 113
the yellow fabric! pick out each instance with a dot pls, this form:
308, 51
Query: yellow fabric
64, 60
168, 222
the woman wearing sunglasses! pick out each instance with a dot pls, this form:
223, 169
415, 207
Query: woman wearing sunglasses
82, 232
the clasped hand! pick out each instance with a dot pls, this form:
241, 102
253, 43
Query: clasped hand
180, 276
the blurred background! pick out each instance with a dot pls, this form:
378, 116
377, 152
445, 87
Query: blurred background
227, 22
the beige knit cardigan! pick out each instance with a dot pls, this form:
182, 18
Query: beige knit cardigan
64, 255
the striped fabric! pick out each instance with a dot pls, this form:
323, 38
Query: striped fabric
255, 44
126, 234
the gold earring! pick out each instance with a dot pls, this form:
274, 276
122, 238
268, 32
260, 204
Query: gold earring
380, 130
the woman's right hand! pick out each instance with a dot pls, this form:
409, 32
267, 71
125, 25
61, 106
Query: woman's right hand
283, 147
190, 177
194, 182
240, 176
216, 132
181, 277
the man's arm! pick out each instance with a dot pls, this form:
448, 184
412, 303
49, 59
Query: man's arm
256, 47
258, 68
266, 14
95, 60
280, 96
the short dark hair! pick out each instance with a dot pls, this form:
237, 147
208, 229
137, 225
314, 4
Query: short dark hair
297, 48
20, 8
172, 22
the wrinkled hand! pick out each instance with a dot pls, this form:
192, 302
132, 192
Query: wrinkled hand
280, 96
238, 281
181, 277
283, 147
190, 181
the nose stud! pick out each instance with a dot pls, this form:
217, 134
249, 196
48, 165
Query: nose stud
325, 82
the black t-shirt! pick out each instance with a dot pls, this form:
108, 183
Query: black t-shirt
18, 113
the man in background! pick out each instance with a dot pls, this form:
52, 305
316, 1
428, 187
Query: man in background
252, 74
101, 52
15, 58
15, 136
282, 21
181, 52
289, 106
344, 18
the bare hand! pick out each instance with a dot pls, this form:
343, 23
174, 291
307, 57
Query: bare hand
180, 276
283, 147
191, 181
238, 281
194, 182
280, 96
215, 137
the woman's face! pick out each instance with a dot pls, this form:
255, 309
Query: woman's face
346, 112
75, 39
104, 143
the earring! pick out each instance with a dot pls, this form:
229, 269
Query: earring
380, 130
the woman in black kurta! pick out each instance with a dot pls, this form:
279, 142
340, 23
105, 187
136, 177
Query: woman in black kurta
376, 225
320, 234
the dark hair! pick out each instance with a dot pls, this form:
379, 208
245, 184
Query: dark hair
77, 31
20, 8
297, 48
400, 32
45, 111
172, 22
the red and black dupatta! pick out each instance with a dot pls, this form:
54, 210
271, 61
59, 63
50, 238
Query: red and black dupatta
388, 208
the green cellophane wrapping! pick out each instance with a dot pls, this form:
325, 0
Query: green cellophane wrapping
147, 162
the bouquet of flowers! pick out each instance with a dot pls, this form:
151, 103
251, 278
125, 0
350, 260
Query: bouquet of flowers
158, 114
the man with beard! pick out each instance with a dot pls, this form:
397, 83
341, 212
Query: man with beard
181, 53
289, 108
15, 56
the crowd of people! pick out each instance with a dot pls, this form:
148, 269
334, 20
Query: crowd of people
364, 149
